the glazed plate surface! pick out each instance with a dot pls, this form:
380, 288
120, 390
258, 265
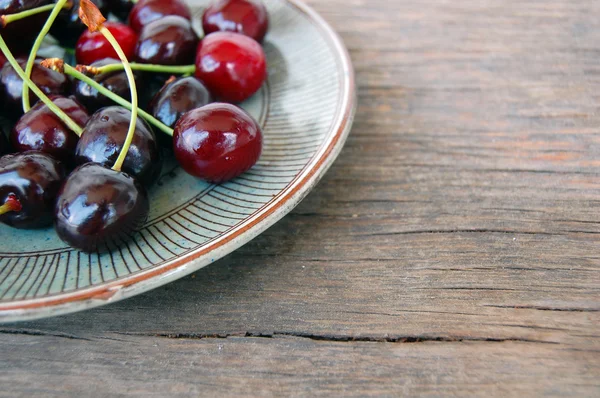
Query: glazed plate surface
306, 110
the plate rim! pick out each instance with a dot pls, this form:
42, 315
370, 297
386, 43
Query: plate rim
179, 267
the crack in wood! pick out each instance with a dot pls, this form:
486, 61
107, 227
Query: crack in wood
35, 332
543, 308
461, 231
339, 338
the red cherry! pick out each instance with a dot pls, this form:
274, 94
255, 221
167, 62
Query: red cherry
2, 60
40, 129
217, 142
146, 11
248, 17
168, 41
92, 46
231, 65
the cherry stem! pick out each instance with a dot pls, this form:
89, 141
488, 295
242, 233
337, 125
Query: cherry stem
96, 70
11, 204
69, 70
134, 97
43, 97
6, 19
36, 46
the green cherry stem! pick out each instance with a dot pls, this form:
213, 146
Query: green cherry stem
36, 46
134, 97
96, 70
6, 19
43, 97
69, 70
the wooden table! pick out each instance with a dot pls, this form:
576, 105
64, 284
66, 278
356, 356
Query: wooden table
453, 249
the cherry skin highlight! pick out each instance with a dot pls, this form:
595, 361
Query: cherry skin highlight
232, 66
104, 136
217, 142
98, 208
40, 129
248, 17
178, 97
33, 179
146, 11
93, 46
47, 80
167, 41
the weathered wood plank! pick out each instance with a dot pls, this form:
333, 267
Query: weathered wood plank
121, 365
463, 213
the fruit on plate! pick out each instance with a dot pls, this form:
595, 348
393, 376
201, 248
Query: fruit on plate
232, 66
93, 46
167, 41
103, 139
146, 11
248, 17
177, 97
40, 129
115, 151
29, 182
217, 142
98, 207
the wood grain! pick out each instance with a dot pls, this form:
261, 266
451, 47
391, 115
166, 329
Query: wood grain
451, 250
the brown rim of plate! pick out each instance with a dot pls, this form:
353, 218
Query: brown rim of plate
307, 176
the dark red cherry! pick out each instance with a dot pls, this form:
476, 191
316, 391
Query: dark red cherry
19, 35
167, 41
103, 138
31, 181
47, 80
116, 82
93, 46
40, 129
98, 208
177, 97
68, 27
3, 60
146, 11
217, 142
232, 66
248, 17
121, 8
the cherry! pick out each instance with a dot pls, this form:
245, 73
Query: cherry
104, 136
97, 207
248, 17
121, 8
19, 35
114, 81
146, 11
29, 182
167, 41
2, 60
232, 66
93, 46
177, 97
217, 142
68, 27
47, 80
40, 129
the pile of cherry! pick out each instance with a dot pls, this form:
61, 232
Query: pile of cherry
79, 157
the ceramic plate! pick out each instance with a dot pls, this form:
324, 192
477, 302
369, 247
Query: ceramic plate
306, 109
